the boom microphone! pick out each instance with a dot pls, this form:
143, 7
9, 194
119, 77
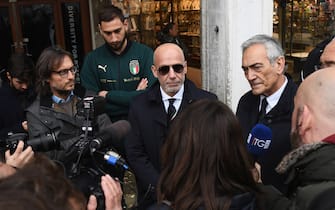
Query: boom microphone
115, 132
259, 140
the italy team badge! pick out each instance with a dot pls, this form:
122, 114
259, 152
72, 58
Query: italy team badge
134, 67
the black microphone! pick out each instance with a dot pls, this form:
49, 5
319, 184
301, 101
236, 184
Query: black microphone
113, 133
259, 140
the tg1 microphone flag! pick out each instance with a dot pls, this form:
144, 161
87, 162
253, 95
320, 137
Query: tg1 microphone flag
259, 140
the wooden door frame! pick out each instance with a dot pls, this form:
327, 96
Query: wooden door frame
16, 29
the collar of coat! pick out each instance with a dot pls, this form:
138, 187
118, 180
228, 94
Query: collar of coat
295, 155
188, 97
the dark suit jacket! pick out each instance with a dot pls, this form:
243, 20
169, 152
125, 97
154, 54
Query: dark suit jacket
148, 120
279, 120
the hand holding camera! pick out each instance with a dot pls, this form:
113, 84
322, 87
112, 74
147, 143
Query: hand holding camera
20, 156
112, 192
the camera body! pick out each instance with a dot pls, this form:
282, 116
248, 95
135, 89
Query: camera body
43, 143
87, 175
81, 160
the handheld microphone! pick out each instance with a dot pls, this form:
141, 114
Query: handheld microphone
115, 132
259, 140
115, 159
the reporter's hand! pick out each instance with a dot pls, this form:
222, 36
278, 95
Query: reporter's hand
256, 173
143, 84
6, 170
113, 194
103, 93
92, 203
25, 125
20, 157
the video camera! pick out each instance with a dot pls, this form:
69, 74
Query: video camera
90, 153
43, 143
98, 143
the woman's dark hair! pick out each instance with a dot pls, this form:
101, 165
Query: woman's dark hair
21, 66
109, 12
46, 180
50, 59
204, 159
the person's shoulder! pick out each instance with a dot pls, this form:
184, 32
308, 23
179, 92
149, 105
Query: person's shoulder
208, 94
98, 51
4, 90
290, 89
149, 95
140, 97
34, 106
315, 196
324, 199
191, 87
248, 96
246, 100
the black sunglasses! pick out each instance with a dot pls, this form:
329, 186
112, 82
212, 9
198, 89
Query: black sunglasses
178, 68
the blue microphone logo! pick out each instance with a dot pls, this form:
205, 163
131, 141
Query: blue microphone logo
265, 144
259, 139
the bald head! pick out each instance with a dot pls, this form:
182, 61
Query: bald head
314, 106
167, 51
327, 58
318, 90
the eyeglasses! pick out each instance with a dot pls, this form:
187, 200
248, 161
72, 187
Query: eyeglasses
178, 68
64, 72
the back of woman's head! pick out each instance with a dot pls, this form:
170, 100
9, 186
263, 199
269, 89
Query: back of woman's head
204, 157
46, 180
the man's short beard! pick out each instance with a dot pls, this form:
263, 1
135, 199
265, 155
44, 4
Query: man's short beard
64, 92
121, 44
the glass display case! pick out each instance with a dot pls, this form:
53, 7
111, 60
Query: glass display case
187, 14
305, 23
300, 25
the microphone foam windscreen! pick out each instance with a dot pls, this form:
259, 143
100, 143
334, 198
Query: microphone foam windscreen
259, 139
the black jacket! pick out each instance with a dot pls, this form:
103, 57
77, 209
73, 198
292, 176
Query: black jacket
279, 120
148, 121
311, 177
12, 108
44, 119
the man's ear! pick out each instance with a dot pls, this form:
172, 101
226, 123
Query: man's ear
126, 23
99, 26
281, 64
305, 120
8, 76
154, 70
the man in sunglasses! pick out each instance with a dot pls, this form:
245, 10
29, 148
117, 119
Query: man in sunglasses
152, 113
